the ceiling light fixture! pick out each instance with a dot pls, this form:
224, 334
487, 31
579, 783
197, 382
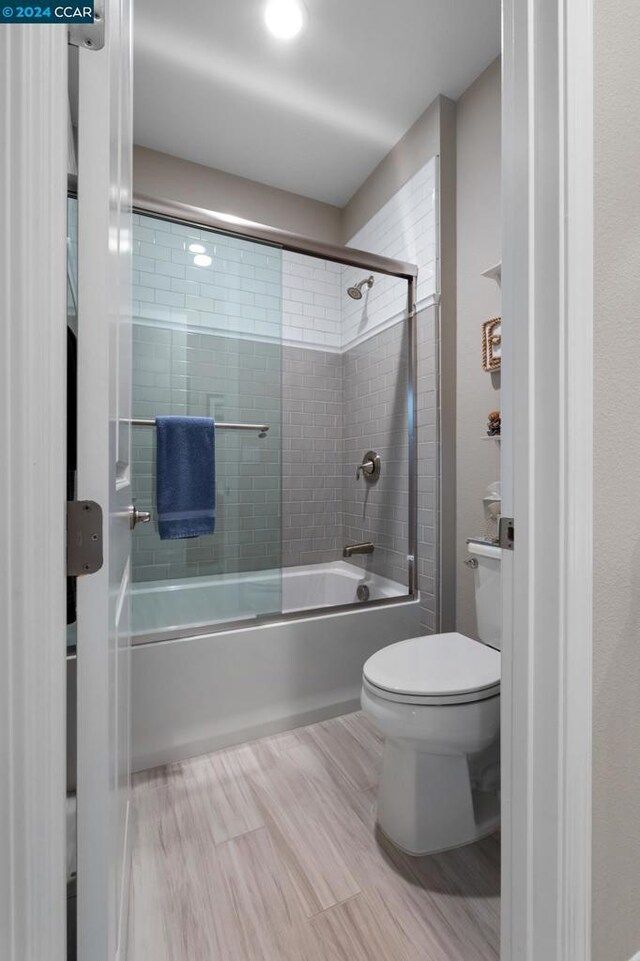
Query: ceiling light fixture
197, 249
202, 260
284, 18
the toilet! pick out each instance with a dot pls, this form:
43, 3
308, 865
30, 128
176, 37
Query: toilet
436, 702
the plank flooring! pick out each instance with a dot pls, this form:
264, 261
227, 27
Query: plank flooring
269, 852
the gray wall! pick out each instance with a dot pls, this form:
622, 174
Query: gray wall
616, 695
183, 372
161, 176
430, 529
312, 432
336, 407
478, 299
375, 418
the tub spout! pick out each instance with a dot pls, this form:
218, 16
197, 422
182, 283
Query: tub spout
349, 549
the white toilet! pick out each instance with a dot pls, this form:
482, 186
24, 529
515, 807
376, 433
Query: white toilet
436, 701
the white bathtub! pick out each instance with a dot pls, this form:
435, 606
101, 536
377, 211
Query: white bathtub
196, 693
164, 607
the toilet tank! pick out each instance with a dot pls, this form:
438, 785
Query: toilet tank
486, 574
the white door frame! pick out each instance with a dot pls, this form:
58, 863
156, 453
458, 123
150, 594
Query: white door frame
548, 381
547, 290
33, 339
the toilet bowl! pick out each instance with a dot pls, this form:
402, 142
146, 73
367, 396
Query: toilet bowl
436, 702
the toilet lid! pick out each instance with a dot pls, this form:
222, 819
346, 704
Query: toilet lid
436, 665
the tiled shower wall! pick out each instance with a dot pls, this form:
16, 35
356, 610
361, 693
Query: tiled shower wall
405, 228
375, 405
335, 408
206, 342
428, 421
312, 433
375, 418
201, 374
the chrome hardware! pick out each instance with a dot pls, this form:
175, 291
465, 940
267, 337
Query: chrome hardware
506, 533
363, 592
84, 538
471, 562
138, 517
365, 548
220, 425
370, 467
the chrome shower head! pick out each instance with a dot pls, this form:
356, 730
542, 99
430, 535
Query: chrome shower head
356, 292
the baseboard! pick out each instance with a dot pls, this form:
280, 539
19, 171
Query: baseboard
180, 752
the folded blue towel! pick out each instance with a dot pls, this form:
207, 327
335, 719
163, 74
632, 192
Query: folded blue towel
185, 476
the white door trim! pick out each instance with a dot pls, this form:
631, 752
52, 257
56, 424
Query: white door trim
33, 189
548, 381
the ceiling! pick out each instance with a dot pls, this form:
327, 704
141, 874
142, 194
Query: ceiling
314, 115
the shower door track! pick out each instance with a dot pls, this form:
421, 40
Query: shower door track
275, 236
336, 253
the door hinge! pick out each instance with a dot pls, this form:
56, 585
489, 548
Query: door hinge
506, 533
84, 538
89, 35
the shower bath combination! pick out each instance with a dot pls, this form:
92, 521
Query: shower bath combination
292, 543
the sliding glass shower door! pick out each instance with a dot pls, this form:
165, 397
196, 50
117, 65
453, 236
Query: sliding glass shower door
207, 341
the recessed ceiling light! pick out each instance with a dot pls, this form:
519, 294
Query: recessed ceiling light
197, 249
284, 18
202, 260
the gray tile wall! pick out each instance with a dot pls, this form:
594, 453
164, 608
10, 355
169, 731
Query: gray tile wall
428, 420
312, 431
375, 417
232, 379
334, 408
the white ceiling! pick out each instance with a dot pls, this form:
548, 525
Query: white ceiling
314, 115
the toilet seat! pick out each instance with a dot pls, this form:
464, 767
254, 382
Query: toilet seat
434, 669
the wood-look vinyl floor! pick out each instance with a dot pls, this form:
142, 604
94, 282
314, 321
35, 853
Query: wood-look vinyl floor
269, 852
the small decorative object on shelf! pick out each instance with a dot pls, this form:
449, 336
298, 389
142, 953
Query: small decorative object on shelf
492, 344
493, 424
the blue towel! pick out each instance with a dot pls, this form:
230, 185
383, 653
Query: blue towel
186, 476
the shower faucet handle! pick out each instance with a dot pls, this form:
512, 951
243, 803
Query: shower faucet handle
370, 467
366, 467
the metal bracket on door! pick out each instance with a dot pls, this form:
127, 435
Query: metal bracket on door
90, 36
84, 538
506, 533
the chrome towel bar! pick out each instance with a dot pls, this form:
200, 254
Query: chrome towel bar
220, 425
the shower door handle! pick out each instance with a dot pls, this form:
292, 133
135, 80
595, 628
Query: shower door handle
138, 517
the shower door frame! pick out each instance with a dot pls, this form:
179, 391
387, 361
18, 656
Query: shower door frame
249, 230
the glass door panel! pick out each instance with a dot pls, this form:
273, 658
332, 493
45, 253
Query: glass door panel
207, 341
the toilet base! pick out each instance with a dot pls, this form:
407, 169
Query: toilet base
426, 802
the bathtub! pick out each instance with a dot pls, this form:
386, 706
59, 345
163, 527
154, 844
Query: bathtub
161, 609
196, 690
